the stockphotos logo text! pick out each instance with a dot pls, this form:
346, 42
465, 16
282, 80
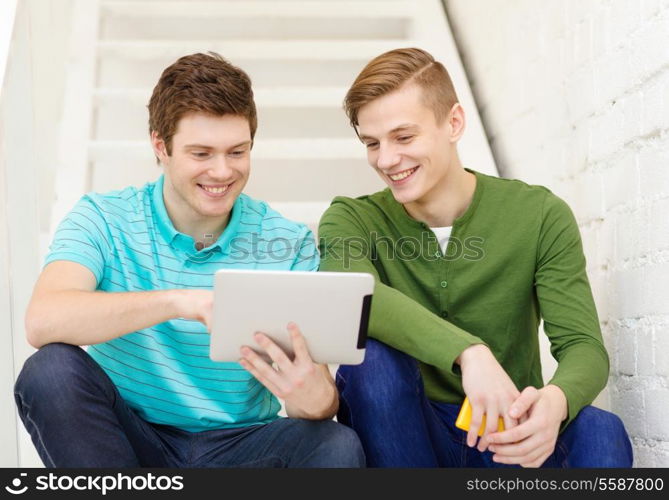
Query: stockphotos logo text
103, 484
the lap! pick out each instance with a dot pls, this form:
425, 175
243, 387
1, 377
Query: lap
595, 438
285, 442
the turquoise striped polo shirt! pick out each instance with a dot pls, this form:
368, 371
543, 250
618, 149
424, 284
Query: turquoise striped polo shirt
164, 372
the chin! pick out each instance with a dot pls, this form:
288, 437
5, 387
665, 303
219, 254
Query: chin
215, 211
404, 197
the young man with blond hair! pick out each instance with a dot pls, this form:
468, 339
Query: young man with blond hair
130, 274
466, 266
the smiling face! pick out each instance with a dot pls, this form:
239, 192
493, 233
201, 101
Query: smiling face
406, 145
207, 170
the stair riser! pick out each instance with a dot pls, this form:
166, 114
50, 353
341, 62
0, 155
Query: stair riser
116, 72
278, 180
222, 28
125, 120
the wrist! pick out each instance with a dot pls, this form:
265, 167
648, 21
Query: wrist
472, 352
322, 408
329, 403
175, 302
560, 399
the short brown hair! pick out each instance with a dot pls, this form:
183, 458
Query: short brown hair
204, 83
393, 69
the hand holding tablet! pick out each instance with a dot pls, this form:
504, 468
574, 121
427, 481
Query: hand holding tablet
307, 389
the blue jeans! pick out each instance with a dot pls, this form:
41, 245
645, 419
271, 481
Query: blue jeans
384, 402
77, 418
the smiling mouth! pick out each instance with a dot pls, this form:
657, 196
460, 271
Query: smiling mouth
215, 190
404, 174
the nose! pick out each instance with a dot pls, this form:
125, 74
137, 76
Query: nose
218, 167
388, 157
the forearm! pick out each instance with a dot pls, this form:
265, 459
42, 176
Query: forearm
406, 325
581, 375
568, 309
83, 318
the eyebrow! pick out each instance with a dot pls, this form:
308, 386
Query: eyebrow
205, 146
399, 128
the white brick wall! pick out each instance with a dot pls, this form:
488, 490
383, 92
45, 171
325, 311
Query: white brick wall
574, 95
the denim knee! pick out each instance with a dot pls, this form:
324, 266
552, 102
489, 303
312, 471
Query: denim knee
382, 366
53, 372
606, 437
591, 417
338, 446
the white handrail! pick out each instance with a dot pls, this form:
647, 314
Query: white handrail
31, 106
8, 423
7, 15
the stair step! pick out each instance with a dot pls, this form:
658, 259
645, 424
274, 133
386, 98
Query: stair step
194, 9
263, 50
249, 19
279, 149
278, 180
265, 97
118, 72
281, 64
124, 121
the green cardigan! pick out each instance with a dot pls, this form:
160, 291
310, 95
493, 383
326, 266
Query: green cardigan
514, 257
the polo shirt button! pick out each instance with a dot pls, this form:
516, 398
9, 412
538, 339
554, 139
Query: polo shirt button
444, 284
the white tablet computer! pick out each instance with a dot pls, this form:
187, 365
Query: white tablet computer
331, 310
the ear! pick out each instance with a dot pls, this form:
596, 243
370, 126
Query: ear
159, 147
456, 122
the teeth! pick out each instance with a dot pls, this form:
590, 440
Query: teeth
403, 175
216, 190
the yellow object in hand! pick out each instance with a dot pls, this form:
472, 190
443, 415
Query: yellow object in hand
465, 417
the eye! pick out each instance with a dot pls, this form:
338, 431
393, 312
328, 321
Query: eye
238, 154
371, 145
405, 138
200, 155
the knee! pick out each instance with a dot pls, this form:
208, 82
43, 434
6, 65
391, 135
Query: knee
608, 423
385, 372
340, 446
606, 436
48, 370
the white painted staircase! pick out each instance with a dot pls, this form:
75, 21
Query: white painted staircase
301, 56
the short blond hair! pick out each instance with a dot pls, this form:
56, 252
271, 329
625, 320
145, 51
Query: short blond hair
393, 69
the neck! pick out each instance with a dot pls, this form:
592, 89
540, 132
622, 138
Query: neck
197, 227
448, 200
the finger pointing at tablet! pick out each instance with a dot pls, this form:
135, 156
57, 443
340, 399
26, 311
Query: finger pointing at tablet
306, 387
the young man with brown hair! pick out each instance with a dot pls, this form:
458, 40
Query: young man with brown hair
130, 274
458, 313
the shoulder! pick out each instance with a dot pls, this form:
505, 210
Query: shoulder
125, 205
505, 189
519, 198
362, 206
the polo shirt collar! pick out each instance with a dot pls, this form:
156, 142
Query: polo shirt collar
183, 241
